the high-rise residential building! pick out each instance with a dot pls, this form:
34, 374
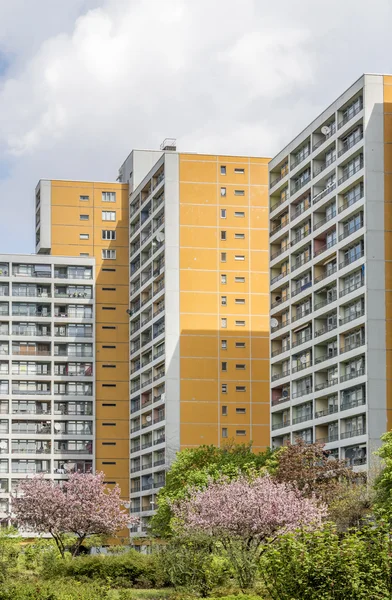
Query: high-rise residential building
47, 368
90, 219
331, 276
199, 309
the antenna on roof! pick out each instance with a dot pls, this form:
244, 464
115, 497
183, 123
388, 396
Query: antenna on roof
169, 144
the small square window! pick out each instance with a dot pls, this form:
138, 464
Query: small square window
223, 279
224, 300
224, 366
84, 236
84, 254
223, 191
239, 192
239, 171
223, 170
224, 344
239, 257
240, 388
108, 234
223, 213
223, 256
240, 432
108, 215
239, 236
240, 300
240, 411
224, 388
224, 410
224, 323
84, 217
84, 198
223, 236
108, 254
240, 345
240, 323
239, 279
224, 432
239, 213
240, 367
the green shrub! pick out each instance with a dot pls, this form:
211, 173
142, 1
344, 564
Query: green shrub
61, 590
123, 570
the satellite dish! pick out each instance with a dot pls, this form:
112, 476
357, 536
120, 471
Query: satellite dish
303, 359
57, 426
3, 445
160, 237
285, 393
148, 418
274, 323
278, 298
326, 130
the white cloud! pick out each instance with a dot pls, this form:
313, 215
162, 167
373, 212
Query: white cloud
103, 76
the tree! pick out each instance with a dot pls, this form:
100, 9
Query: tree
311, 469
244, 515
383, 483
194, 467
83, 506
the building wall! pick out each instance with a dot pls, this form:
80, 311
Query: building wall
387, 80
205, 300
112, 300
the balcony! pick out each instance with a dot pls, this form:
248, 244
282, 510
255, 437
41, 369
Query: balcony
325, 247
300, 288
353, 433
353, 403
280, 351
279, 252
349, 230
352, 345
283, 172
327, 190
352, 258
302, 419
324, 413
277, 376
324, 165
326, 384
355, 198
327, 218
302, 156
301, 366
281, 325
352, 375
281, 400
350, 172
302, 340
351, 114
351, 288
350, 143
333, 437
281, 225
300, 183
331, 354
302, 392
303, 260
280, 276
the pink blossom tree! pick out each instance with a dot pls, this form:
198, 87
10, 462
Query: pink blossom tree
245, 515
83, 506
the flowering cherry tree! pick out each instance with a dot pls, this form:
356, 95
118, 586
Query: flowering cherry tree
245, 515
83, 506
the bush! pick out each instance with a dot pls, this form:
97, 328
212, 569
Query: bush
61, 590
123, 570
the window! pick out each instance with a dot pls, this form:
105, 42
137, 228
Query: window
223, 213
240, 300
239, 279
223, 236
108, 196
224, 410
109, 270
239, 257
108, 308
109, 443
239, 213
108, 366
108, 327
223, 256
240, 171
108, 215
108, 234
108, 254
84, 217
239, 236
224, 344
240, 411
84, 198
108, 289
240, 323
240, 367
223, 191
109, 404
224, 432
84, 236
240, 432
224, 366
84, 254
240, 344
223, 279
239, 192
109, 424
224, 388
224, 323
240, 388
223, 170
224, 300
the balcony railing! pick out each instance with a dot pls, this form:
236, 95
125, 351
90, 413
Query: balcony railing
353, 375
351, 288
301, 393
281, 400
348, 144
350, 115
301, 158
279, 252
346, 175
333, 437
350, 230
357, 196
277, 376
326, 329
280, 326
352, 433
324, 192
328, 411
325, 247
302, 418
281, 225
283, 299
302, 340
329, 217
353, 403
301, 288
280, 425
326, 384
283, 173
352, 345
331, 354
352, 258
299, 263
325, 165
301, 366
300, 183
301, 236
280, 276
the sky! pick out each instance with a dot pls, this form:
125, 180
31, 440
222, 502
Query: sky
82, 82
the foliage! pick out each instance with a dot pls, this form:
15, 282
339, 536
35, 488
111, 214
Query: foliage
84, 506
60, 590
352, 506
324, 564
310, 468
124, 570
243, 514
190, 563
9, 550
383, 483
194, 467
